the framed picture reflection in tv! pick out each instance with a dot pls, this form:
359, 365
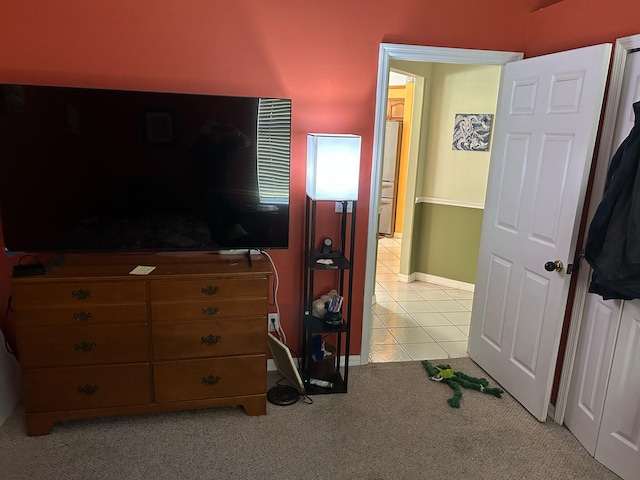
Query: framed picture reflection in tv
159, 126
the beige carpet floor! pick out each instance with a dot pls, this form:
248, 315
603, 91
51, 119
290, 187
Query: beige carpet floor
393, 424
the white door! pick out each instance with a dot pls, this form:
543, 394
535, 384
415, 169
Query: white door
601, 318
546, 124
618, 445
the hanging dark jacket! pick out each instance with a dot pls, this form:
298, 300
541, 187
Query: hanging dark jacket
613, 240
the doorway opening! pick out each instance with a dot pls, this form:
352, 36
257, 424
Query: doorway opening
420, 315
403, 248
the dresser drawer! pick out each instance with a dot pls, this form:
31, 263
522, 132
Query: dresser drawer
209, 338
210, 308
77, 293
83, 345
219, 377
81, 315
76, 388
209, 288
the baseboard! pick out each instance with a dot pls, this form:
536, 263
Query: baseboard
354, 360
447, 282
551, 412
406, 278
271, 365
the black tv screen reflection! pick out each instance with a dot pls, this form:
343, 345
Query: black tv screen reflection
97, 170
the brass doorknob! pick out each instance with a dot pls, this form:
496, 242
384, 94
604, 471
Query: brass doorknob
551, 266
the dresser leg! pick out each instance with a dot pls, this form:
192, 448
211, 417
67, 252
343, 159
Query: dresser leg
255, 406
38, 425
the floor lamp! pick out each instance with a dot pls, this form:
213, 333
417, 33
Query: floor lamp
333, 174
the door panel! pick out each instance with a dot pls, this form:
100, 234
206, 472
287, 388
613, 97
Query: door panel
546, 121
512, 178
493, 323
591, 369
529, 322
618, 445
551, 180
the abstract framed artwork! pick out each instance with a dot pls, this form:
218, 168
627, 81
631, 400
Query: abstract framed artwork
471, 132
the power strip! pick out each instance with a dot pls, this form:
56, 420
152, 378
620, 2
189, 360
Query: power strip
25, 270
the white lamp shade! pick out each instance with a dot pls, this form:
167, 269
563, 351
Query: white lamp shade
333, 166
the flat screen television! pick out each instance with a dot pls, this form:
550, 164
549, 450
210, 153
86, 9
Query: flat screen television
99, 170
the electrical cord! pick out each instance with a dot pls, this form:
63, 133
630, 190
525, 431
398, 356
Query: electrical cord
29, 256
274, 292
4, 325
279, 330
304, 397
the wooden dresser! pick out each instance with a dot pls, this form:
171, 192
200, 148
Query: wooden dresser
95, 340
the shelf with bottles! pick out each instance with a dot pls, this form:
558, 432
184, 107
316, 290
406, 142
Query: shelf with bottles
332, 318
324, 371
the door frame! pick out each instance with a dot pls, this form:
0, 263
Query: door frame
388, 52
622, 48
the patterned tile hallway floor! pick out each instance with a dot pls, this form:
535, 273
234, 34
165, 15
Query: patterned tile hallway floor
418, 320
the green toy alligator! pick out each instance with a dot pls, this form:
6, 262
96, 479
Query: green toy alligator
445, 374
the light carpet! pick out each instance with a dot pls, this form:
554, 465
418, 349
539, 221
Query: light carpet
394, 423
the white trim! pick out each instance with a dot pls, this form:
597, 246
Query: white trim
271, 365
389, 51
551, 411
445, 282
406, 278
450, 203
607, 149
419, 53
354, 361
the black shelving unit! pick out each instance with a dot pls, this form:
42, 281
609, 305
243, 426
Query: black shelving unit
342, 263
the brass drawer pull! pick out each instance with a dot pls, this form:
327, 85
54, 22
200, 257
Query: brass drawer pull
84, 347
81, 294
211, 339
210, 380
88, 389
82, 316
210, 311
209, 290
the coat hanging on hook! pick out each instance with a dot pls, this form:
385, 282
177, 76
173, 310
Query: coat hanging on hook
613, 241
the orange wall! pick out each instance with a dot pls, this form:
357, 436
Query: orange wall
579, 23
406, 93
282, 48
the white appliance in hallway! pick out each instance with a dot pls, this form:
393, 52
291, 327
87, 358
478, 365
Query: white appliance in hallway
389, 189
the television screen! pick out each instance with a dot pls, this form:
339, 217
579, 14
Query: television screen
90, 170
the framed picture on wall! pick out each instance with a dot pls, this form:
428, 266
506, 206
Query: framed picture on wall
159, 126
471, 131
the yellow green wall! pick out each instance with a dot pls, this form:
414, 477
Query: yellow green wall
449, 240
453, 183
453, 175
450, 185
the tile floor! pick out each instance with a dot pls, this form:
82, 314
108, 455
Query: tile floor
418, 320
